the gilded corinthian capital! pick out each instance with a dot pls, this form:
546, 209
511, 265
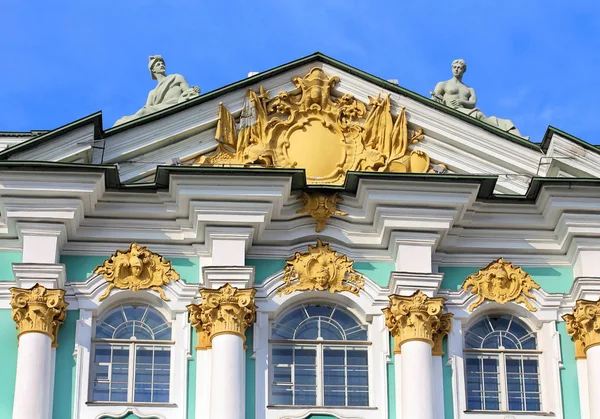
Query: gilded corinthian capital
38, 309
417, 317
584, 326
228, 310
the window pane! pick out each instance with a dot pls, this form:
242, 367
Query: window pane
330, 331
282, 375
305, 375
335, 396
282, 395
152, 377
309, 330
334, 355
100, 392
283, 355
305, 356
357, 356
118, 392
482, 382
305, 396
358, 397
102, 353
334, 376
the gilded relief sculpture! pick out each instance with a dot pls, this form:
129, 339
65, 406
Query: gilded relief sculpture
313, 130
320, 269
501, 282
136, 268
321, 207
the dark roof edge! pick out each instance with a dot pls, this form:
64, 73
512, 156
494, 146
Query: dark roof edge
486, 183
95, 118
111, 172
553, 130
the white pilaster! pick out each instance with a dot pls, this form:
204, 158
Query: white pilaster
582, 381
438, 386
593, 375
228, 245
227, 378
417, 380
203, 383
34, 366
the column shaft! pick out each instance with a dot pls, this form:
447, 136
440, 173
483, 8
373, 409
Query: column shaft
33, 369
593, 373
417, 380
227, 378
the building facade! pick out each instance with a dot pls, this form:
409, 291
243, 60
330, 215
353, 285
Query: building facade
311, 242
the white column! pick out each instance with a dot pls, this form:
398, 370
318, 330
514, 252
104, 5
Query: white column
227, 378
593, 374
417, 383
438, 386
34, 366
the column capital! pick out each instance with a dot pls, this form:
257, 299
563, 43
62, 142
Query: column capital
584, 326
38, 309
417, 317
227, 310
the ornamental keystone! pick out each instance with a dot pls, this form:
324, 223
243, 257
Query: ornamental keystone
417, 317
39, 310
584, 326
501, 282
321, 207
136, 268
228, 310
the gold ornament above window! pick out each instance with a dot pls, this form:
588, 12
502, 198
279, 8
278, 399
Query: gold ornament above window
315, 131
501, 282
320, 269
136, 268
321, 207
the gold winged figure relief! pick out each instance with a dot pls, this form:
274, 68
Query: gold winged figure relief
136, 268
310, 128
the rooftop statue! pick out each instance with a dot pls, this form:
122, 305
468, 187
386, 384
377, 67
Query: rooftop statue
170, 90
457, 95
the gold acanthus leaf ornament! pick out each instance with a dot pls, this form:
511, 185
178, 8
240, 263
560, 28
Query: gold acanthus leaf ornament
136, 268
313, 130
320, 269
501, 282
321, 207
584, 326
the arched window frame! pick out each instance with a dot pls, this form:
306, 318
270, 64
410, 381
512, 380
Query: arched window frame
366, 308
86, 300
326, 315
542, 322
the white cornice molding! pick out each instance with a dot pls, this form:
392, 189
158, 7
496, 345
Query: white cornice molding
215, 277
50, 275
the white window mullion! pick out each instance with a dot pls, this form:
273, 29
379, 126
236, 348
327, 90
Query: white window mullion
503, 382
131, 373
319, 368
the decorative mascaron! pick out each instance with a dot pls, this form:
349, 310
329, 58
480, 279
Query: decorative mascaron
38, 310
321, 207
501, 282
584, 326
321, 269
136, 268
315, 131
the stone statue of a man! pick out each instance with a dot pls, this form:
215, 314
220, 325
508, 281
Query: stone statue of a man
170, 90
457, 95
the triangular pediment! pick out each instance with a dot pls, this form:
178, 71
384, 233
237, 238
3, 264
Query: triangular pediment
319, 115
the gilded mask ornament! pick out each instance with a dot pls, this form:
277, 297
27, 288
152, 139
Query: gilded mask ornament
501, 282
136, 268
320, 269
311, 129
321, 207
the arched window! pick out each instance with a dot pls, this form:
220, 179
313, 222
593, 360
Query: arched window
132, 356
502, 366
319, 357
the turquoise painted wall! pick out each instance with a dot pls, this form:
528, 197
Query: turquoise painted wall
64, 374
447, 378
191, 384
6, 261
250, 375
79, 268
8, 355
550, 279
264, 268
568, 375
391, 378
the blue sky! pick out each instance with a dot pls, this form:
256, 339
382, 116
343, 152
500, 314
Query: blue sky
536, 62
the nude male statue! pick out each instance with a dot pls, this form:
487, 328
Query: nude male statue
457, 95
170, 90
